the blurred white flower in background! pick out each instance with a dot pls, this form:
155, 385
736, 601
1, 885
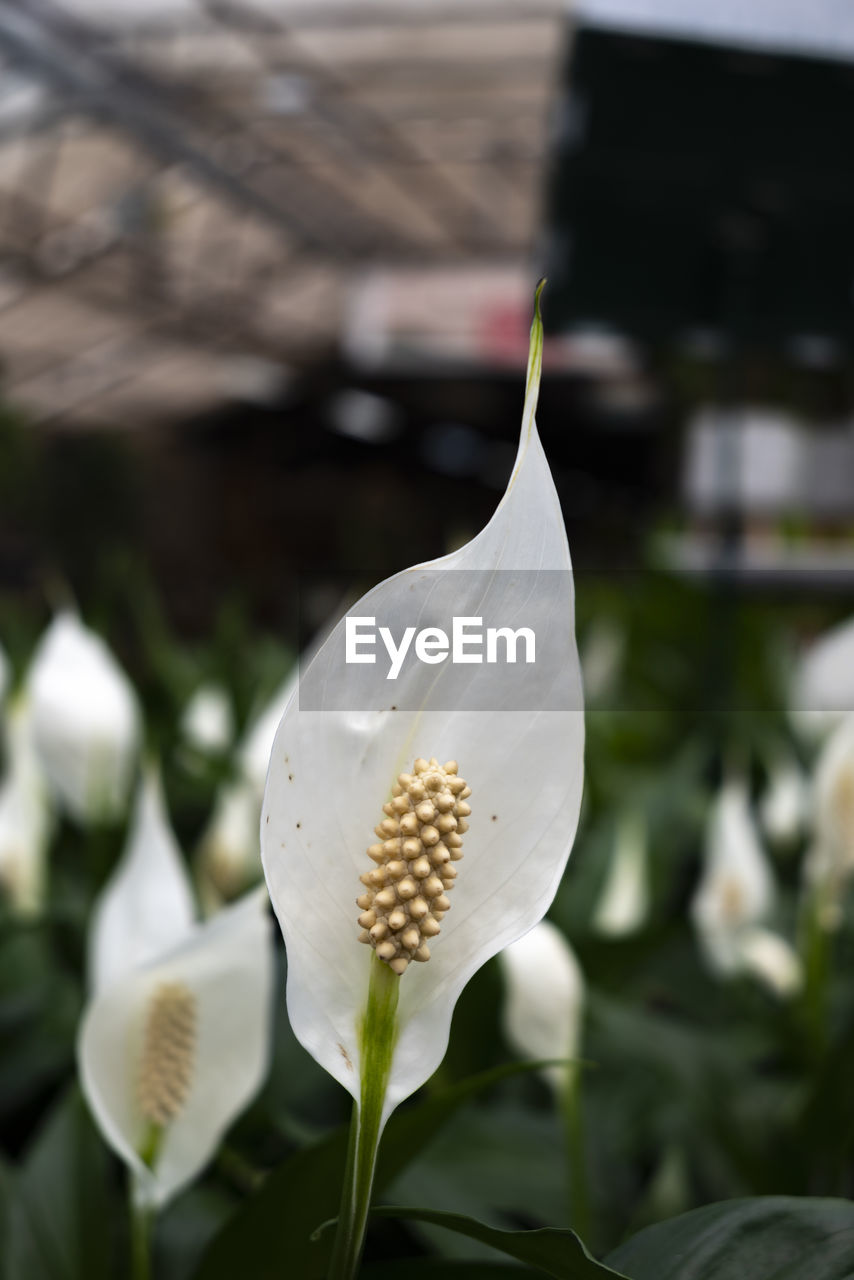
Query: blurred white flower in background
86, 720
736, 889
602, 653
823, 692
253, 754
830, 860
623, 905
735, 896
544, 1007
229, 855
208, 720
175, 1039
5, 673
784, 807
772, 960
25, 815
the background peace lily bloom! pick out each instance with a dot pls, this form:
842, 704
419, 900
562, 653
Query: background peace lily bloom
785, 804
5, 673
26, 818
173, 1051
175, 1039
229, 856
624, 902
736, 894
830, 861
208, 720
543, 1016
544, 1006
736, 889
332, 770
86, 720
823, 691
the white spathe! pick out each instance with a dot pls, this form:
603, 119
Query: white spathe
830, 860
624, 902
544, 1005
784, 807
147, 905
736, 888
735, 896
26, 819
229, 857
602, 655
332, 770
86, 720
227, 967
208, 720
823, 687
773, 961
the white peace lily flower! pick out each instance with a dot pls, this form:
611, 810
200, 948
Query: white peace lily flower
602, 655
830, 861
86, 720
172, 1052
823, 691
624, 903
147, 905
736, 890
773, 961
785, 805
175, 1038
380, 1034
736, 893
208, 720
544, 1006
229, 853
25, 816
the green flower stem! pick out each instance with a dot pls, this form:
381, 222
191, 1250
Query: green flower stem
377, 1039
576, 1162
141, 1220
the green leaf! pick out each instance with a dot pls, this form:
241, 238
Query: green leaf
304, 1191
503, 1164
59, 1212
555, 1250
765, 1238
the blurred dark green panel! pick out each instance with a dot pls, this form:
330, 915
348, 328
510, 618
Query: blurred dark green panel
699, 186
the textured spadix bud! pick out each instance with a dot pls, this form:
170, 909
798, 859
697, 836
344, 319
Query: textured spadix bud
168, 1053
421, 836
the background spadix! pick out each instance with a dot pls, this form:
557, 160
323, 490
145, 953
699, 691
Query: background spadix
331, 771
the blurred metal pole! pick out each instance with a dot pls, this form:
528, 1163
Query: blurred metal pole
41, 39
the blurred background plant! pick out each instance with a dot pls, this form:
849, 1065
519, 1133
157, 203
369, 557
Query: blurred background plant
265, 278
